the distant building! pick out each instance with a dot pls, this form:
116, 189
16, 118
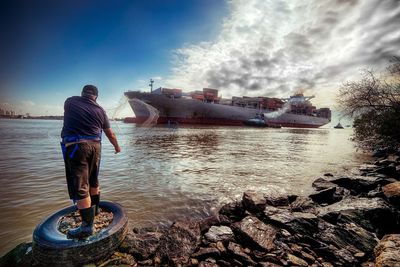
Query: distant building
2, 112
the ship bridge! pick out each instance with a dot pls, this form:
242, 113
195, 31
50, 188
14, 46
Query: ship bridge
297, 98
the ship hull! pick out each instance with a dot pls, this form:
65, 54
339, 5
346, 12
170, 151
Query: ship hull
191, 111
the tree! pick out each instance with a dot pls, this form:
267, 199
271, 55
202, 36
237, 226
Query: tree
374, 103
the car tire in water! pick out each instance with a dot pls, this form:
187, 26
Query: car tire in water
52, 248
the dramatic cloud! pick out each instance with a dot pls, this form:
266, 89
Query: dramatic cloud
275, 47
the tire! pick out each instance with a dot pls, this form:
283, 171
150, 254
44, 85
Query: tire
52, 248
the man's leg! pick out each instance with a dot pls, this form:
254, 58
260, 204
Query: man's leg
95, 198
83, 203
79, 174
94, 167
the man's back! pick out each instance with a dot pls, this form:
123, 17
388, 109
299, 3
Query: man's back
84, 117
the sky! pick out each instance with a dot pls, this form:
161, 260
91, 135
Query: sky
50, 49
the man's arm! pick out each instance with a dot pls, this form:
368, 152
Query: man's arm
113, 139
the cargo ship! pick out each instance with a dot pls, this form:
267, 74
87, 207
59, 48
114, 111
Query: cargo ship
206, 107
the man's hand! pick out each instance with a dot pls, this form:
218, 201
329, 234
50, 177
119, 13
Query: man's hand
113, 139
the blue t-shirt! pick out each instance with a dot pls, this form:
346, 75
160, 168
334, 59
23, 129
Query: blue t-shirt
83, 116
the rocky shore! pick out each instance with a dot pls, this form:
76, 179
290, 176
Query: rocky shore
347, 221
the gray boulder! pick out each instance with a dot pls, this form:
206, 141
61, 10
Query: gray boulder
344, 244
141, 245
360, 184
178, 241
366, 212
321, 184
254, 201
256, 233
219, 233
329, 195
302, 223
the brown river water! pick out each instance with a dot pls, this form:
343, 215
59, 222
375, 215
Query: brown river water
163, 174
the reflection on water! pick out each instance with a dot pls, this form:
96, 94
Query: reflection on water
163, 174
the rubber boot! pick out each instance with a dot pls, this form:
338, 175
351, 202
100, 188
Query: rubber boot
86, 228
95, 199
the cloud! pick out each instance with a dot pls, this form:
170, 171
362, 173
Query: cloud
276, 47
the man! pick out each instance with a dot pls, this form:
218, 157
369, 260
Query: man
84, 121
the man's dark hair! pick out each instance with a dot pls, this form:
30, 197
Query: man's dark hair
90, 91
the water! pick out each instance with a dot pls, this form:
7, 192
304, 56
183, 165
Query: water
163, 174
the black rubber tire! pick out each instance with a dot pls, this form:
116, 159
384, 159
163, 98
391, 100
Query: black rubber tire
52, 248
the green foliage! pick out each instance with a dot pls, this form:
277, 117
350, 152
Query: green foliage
374, 103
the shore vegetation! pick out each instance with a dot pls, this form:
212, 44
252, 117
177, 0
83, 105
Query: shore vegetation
374, 104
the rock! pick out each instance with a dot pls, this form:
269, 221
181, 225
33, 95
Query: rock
292, 259
237, 252
119, 259
321, 184
254, 201
308, 257
380, 152
358, 185
180, 240
204, 253
232, 212
368, 264
141, 246
268, 264
328, 196
194, 262
346, 257
375, 193
303, 204
219, 233
257, 233
20, 256
327, 264
146, 262
340, 243
366, 212
359, 255
368, 168
388, 170
278, 200
206, 223
208, 264
299, 252
387, 252
384, 162
220, 246
350, 236
223, 263
297, 222
392, 192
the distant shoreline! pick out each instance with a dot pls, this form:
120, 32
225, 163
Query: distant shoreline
32, 117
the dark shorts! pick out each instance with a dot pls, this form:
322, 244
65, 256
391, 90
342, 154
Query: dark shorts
82, 168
